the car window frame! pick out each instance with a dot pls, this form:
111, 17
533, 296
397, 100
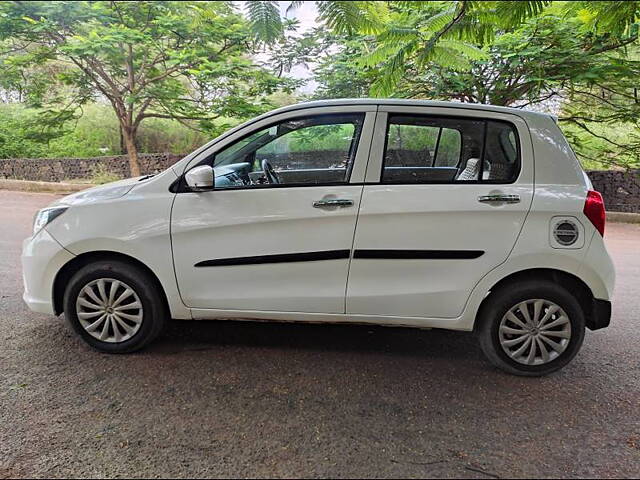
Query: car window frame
353, 146
362, 153
484, 119
353, 151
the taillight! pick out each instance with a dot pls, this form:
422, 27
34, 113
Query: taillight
594, 210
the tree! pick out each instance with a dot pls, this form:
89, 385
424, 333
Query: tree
445, 33
338, 71
602, 115
187, 61
543, 58
563, 54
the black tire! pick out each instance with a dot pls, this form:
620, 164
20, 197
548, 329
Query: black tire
501, 301
154, 310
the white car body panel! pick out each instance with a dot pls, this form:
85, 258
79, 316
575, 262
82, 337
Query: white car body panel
441, 217
140, 223
412, 217
42, 258
272, 221
136, 224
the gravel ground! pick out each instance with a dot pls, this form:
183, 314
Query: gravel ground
224, 399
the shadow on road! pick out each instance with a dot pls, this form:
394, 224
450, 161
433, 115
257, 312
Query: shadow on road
180, 335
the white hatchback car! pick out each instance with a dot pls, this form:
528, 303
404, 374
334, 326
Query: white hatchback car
407, 213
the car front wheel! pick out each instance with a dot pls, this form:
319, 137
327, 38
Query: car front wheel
531, 329
114, 306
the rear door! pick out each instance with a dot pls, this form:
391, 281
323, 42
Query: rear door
446, 194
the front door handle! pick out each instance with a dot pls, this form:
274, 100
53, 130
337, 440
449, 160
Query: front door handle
333, 202
500, 198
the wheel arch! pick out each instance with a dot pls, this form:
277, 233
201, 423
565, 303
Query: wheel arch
72, 266
576, 286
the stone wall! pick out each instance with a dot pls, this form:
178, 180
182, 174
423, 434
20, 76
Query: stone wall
61, 169
621, 190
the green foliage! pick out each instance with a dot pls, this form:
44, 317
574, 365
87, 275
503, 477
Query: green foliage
265, 20
581, 55
187, 61
94, 134
597, 152
449, 34
21, 135
292, 49
315, 138
420, 32
339, 73
614, 18
345, 17
541, 58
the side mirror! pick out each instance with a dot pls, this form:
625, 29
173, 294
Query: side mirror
200, 178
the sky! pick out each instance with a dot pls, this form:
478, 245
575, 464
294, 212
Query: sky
305, 14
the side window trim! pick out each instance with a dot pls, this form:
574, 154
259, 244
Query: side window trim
230, 136
435, 150
352, 146
386, 117
361, 136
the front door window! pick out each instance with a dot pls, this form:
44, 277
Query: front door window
317, 150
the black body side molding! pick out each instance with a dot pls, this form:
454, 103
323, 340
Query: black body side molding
418, 254
342, 254
279, 258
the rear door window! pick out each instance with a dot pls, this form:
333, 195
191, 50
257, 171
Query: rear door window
430, 149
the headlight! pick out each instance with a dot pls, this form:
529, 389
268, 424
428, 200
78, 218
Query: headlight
44, 216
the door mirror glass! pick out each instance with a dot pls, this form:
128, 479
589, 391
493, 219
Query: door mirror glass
200, 178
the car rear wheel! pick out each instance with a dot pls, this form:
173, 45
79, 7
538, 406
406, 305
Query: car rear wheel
531, 329
114, 306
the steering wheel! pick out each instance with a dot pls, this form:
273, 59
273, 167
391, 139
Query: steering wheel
269, 172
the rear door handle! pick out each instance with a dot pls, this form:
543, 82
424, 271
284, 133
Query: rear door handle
333, 202
500, 198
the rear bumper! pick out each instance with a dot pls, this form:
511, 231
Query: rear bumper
600, 315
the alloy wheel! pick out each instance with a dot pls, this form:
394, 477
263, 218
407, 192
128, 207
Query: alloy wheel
109, 310
535, 332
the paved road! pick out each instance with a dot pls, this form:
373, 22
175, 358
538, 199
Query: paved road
222, 399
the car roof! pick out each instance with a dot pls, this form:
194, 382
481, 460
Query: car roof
524, 114
412, 103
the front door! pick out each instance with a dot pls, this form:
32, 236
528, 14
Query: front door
277, 231
447, 193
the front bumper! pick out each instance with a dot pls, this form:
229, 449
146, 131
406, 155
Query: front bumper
42, 258
600, 315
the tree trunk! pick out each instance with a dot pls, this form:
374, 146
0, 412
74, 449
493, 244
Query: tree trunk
123, 146
132, 151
